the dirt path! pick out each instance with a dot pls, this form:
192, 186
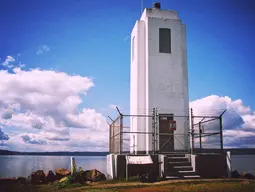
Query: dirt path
143, 187
158, 189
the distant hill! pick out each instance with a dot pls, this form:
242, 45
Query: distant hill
6, 152
233, 151
236, 151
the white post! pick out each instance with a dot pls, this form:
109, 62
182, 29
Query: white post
135, 146
73, 165
161, 165
126, 168
229, 168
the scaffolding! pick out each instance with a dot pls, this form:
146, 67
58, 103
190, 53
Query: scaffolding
207, 131
203, 132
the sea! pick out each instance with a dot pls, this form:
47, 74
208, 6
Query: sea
24, 165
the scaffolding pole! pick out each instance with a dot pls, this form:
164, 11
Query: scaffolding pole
221, 130
192, 131
200, 135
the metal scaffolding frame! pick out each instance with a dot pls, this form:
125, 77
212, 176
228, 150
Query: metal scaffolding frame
117, 132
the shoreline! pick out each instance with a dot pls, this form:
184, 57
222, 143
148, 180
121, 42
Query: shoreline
234, 151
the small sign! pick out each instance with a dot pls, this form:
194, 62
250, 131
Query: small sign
163, 118
172, 125
139, 160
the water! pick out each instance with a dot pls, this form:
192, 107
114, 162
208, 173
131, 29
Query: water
18, 165
243, 163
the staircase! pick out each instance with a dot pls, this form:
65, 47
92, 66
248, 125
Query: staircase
179, 167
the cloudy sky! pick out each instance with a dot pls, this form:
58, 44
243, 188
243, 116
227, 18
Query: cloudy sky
65, 66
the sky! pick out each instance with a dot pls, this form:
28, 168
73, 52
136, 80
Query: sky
65, 65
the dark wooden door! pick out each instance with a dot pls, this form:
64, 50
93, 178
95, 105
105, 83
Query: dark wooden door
166, 142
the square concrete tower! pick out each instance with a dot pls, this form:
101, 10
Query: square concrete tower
159, 77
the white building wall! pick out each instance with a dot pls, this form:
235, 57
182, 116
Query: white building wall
137, 88
159, 79
133, 87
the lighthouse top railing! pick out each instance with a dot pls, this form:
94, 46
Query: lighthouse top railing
204, 134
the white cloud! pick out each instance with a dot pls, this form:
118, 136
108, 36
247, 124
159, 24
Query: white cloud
8, 62
238, 121
42, 49
11, 62
44, 104
41, 107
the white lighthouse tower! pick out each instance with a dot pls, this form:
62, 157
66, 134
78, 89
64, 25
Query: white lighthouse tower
159, 77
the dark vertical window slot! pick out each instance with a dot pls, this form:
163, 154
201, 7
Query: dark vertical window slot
164, 40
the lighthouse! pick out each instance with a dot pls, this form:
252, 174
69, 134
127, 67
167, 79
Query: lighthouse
159, 78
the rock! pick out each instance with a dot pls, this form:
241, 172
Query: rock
247, 175
61, 173
79, 178
50, 176
97, 176
22, 180
38, 177
235, 174
87, 175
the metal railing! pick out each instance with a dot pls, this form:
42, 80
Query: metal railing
206, 132
198, 132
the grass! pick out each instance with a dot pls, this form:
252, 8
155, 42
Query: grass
228, 186
205, 185
213, 185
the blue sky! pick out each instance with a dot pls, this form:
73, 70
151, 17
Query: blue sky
91, 39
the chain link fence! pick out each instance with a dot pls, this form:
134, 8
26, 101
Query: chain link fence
164, 133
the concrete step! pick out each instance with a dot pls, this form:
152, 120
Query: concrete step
188, 173
184, 177
192, 177
183, 168
172, 177
177, 159
176, 155
180, 163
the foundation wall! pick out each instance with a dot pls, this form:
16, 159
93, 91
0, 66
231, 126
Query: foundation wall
210, 165
116, 167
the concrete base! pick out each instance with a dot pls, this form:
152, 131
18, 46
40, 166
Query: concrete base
210, 165
205, 165
116, 166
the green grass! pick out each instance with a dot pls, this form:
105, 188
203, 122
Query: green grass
68, 183
187, 187
212, 187
168, 186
